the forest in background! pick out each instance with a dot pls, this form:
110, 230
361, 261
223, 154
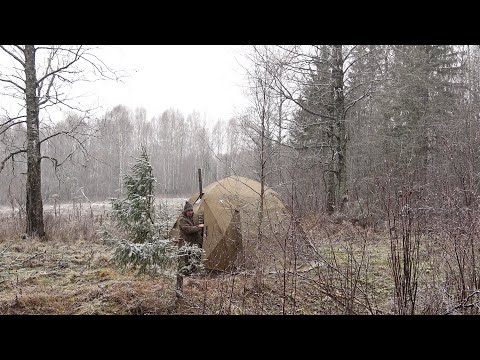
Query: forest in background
403, 114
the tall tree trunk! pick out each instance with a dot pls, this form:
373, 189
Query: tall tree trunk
258, 271
34, 209
341, 131
120, 168
262, 167
330, 189
336, 174
470, 172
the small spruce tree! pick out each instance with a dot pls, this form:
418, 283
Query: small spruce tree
144, 246
136, 213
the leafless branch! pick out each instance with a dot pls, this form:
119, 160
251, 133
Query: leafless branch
13, 55
464, 303
11, 155
2, 131
76, 58
13, 83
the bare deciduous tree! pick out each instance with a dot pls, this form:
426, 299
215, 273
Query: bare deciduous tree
40, 77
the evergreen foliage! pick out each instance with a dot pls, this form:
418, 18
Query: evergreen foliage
146, 246
136, 213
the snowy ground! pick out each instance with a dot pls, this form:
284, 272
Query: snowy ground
95, 208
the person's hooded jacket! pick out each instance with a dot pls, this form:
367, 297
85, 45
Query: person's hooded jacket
188, 226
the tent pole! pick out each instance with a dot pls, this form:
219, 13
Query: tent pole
200, 194
200, 183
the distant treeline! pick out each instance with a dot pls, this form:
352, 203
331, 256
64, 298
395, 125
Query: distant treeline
94, 154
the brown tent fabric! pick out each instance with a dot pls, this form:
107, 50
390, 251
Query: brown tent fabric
231, 237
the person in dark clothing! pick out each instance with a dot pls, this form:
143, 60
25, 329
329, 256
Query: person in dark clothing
190, 233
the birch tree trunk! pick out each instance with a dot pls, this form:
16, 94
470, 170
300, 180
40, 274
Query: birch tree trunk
34, 208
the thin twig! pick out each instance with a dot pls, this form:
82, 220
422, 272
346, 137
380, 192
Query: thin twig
31, 257
9, 245
464, 304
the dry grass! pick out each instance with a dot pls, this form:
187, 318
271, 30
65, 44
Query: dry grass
336, 267
71, 273
73, 278
77, 277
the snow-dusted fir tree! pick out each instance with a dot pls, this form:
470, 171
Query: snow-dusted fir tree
136, 213
144, 246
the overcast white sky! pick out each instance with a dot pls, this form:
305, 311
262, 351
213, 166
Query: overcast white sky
206, 78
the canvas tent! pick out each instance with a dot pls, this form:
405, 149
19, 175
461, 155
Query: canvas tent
231, 234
